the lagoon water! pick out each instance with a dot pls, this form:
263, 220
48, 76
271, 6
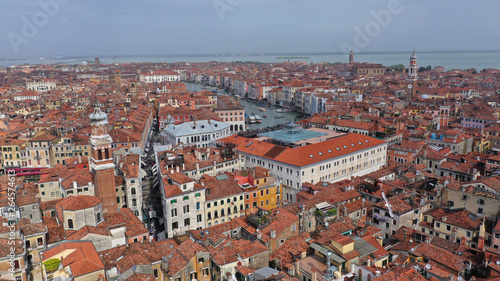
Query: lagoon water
450, 60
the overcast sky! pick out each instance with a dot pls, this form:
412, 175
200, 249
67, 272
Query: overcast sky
172, 27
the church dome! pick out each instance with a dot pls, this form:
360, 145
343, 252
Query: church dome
98, 115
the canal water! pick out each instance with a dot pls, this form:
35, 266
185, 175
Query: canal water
272, 118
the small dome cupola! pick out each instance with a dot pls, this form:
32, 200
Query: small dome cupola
98, 115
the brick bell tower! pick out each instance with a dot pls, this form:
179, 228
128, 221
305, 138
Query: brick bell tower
101, 162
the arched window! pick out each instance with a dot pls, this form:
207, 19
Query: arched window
209, 215
235, 209
70, 224
216, 215
98, 217
132, 191
241, 207
228, 210
134, 202
106, 153
222, 213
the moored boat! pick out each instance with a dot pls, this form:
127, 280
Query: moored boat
283, 110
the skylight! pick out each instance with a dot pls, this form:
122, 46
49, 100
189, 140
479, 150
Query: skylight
311, 155
329, 151
320, 153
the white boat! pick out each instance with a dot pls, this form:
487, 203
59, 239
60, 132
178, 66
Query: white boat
283, 110
262, 109
252, 119
258, 119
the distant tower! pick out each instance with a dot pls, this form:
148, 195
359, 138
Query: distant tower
444, 116
9, 73
412, 77
351, 56
96, 63
101, 161
118, 79
133, 95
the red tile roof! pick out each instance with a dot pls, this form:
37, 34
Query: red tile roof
73, 203
308, 154
82, 260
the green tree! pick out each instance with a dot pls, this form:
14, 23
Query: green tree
52, 265
397, 67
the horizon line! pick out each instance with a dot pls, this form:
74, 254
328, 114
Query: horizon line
243, 54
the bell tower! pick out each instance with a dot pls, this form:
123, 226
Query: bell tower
444, 116
101, 161
412, 78
118, 79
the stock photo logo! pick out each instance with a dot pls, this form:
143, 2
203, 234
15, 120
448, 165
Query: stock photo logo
379, 20
31, 25
223, 6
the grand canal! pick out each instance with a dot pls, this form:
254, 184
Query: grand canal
272, 118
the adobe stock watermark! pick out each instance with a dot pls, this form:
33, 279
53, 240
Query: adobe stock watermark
381, 19
11, 211
223, 6
31, 25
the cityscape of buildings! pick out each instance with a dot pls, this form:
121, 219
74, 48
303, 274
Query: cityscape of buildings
123, 172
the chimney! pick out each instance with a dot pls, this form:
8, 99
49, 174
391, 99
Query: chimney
177, 169
273, 234
482, 232
259, 235
463, 241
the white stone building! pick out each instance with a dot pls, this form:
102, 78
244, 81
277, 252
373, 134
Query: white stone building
44, 85
160, 76
183, 204
330, 160
199, 133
